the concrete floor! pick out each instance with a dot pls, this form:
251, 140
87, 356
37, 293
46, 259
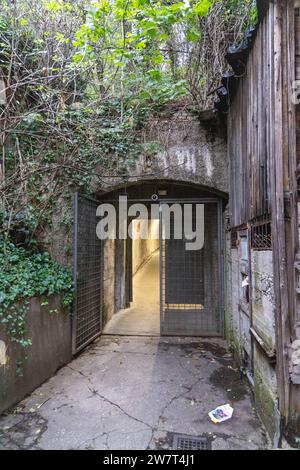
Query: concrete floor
142, 318
133, 393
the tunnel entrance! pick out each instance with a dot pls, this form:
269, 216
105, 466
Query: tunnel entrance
155, 285
142, 315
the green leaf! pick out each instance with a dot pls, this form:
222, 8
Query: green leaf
53, 5
23, 22
202, 7
155, 74
193, 35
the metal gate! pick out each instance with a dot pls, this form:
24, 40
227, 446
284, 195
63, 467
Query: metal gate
87, 272
191, 282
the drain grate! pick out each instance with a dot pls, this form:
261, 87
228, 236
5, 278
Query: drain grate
184, 442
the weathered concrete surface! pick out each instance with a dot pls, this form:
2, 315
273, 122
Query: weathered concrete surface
178, 146
263, 308
131, 393
108, 279
188, 150
49, 328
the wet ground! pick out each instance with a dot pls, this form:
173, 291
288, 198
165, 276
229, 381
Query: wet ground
135, 393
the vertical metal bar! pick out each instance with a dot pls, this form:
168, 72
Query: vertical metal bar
221, 267
75, 264
180, 307
88, 274
101, 283
161, 277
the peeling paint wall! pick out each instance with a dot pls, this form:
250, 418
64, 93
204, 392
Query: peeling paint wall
263, 301
263, 324
188, 151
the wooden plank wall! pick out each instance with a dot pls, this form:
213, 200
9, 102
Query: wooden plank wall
297, 43
297, 73
263, 160
294, 419
250, 131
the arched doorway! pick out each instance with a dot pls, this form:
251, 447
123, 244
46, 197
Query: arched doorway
178, 290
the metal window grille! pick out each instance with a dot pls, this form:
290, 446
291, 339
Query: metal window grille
261, 234
233, 238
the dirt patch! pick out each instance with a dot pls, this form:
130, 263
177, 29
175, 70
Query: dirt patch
230, 380
164, 442
215, 349
196, 347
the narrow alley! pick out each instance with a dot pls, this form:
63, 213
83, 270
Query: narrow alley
135, 393
149, 227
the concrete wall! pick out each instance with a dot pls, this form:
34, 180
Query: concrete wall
263, 302
263, 323
187, 150
179, 146
108, 280
51, 348
120, 274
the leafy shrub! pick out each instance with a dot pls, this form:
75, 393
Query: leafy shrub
24, 275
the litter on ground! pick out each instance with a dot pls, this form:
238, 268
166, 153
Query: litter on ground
221, 413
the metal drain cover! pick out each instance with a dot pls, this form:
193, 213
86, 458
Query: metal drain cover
184, 442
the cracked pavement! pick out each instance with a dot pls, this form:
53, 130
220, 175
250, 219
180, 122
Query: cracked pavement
133, 393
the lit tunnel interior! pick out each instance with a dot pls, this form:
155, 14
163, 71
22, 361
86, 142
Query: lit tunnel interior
145, 251
143, 315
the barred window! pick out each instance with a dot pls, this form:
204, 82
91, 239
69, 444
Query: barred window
261, 233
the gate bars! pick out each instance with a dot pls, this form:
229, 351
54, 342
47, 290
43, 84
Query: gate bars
191, 282
195, 312
87, 274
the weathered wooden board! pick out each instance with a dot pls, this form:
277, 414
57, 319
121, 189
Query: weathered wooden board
264, 151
